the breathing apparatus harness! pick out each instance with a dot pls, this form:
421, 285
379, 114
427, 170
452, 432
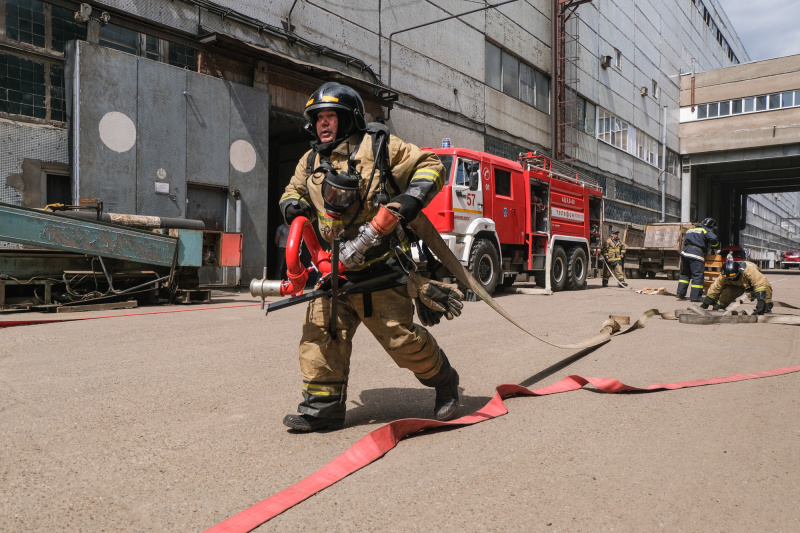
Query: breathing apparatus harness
344, 185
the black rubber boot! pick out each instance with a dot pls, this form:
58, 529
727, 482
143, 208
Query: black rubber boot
605, 283
447, 398
307, 424
446, 385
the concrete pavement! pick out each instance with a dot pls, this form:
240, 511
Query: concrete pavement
171, 422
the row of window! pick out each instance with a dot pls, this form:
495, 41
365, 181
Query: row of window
32, 85
517, 79
751, 104
715, 31
616, 132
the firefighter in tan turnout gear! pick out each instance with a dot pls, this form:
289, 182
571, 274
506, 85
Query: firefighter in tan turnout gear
736, 278
360, 183
614, 252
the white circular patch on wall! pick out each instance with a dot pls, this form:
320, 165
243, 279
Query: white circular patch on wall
243, 156
117, 131
161, 173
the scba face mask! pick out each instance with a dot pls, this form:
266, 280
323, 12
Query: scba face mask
340, 190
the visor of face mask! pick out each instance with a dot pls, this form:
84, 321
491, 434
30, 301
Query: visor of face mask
339, 191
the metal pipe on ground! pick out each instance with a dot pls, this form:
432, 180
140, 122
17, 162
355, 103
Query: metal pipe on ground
140, 221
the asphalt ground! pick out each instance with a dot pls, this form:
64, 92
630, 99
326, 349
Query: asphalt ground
172, 422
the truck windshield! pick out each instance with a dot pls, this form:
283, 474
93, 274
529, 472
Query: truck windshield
447, 161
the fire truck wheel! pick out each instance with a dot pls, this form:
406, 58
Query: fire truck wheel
576, 269
538, 277
558, 269
484, 265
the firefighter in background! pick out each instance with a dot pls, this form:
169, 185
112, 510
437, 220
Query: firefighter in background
614, 252
336, 184
696, 244
736, 278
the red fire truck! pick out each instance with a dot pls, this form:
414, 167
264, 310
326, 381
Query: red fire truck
502, 218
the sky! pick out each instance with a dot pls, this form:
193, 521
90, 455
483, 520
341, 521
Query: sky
767, 28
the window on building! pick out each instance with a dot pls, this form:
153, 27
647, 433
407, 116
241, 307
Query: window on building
656, 89
22, 86
702, 111
506, 73
672, 165
749, 105
25, 21
511, 75
713, 110
774, 100
32, 77
65, 28
618, 133
151, 48
502, 182
58, 103
527, 84
494, 66
725, 108
617, 58
761, 103
787, 99
736, 107
586, 116
120, 38
182, 56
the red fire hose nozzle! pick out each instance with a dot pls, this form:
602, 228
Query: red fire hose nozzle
297, 274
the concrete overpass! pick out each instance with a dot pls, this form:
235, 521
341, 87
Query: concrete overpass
740, 140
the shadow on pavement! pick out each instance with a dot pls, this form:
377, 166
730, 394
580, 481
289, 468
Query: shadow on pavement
381, 406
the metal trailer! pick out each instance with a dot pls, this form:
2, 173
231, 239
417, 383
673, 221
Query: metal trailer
68, 261
654, 250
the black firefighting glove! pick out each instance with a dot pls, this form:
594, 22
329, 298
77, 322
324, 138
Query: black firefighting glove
751, 295
709, 301
434, 299
761, 302
427, 316
295, 209
406, 206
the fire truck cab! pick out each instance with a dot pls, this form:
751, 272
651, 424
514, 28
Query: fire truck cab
503, 218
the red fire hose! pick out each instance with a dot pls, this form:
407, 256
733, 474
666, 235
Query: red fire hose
377, 443
300, 231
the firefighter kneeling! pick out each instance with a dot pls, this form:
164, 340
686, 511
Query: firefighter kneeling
736, 278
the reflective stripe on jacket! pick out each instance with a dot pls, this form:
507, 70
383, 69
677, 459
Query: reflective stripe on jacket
701, 238
613, 250
416, 172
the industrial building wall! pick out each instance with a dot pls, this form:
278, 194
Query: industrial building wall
440, 70
773, 226
655, 42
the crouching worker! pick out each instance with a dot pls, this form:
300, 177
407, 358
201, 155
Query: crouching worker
361, 184
736, 278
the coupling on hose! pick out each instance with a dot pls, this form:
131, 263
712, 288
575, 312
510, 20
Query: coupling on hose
353, 252
263, 288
